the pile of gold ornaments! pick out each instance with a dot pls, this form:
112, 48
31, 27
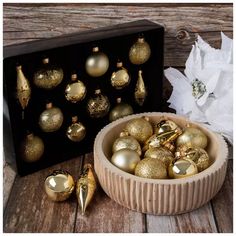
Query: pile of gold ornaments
160, 151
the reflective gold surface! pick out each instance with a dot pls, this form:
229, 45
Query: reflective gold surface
120, 78
140, 90
75, 92
164, 126
76, 132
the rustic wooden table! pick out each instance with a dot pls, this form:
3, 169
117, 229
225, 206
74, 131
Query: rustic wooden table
26, 208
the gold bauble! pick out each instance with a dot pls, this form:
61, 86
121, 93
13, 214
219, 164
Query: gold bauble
164, 126
140, 129
51, 119
76, 90
151, 168
32, 148
140, 52
192, 137
97, 63
59, 185
98, 106
126, 160
182, 168
48, 77
140, 92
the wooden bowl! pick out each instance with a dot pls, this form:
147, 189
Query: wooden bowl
159, 196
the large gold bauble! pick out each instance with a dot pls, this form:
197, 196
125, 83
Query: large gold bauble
97, 63
140, 129
126, 160
51, 119
164, 126
59, 185
151, 168
140, 52
49, 76
32, 148
192, 137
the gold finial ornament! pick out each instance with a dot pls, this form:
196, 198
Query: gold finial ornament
140, 90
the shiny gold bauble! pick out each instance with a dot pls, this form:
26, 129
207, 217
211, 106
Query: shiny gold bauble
151, 168
97, 63
161, 154
140, 52
32, 148
126, 160
182, 168
140, 129
192, 137
59, 185
164, 126
98, 106
51, 119
49, 76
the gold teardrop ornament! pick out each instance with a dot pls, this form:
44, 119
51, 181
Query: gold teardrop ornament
76, 131
140, 90
164, 126
85, 187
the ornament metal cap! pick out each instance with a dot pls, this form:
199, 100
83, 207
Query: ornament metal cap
18, 67
74, 77
74, 119
49, 105
95, 49
97, 91
141, 39
119, 64
45, 60
118, 100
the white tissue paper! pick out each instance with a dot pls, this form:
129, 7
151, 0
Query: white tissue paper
205, 93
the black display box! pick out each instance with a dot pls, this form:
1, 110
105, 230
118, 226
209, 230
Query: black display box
70, 52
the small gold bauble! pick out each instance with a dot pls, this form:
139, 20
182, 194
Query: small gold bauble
97, 63
32, 148
151, 168
164, 126
51, 119
126, 160
59, 185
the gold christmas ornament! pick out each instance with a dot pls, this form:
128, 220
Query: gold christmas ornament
140, 52
151, 168
120, 110
32, 148
75, 91
120, 78
140, 90
97, 63
59, 185
164, 126
140, 129
126, 160
77, 131
49, 76
85, 187
51, 119
98, 106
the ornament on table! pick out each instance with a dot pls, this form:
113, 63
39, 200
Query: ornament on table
32, 148
98, 106
59, 185
76, 131
164, 126
139, 52
120, 78
85, 187
97, 63
140, 92
75, 91
48, 76
120, 110
51, 119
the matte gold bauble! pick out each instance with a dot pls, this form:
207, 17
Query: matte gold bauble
120, 110
98, 106
51, 119
126, 160
32, 148
76, 90
164, 126
97, 63
140, 52
77, 131
59, 185
192, 137
49, 76
140, 129
151, 168
140, 92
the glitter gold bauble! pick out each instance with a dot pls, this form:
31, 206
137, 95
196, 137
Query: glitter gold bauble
151, 168
59, 185
51, 119
140, 92
32, 148
140, 52
49, 76
97, 63
164, 126
140, 129
126, 160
